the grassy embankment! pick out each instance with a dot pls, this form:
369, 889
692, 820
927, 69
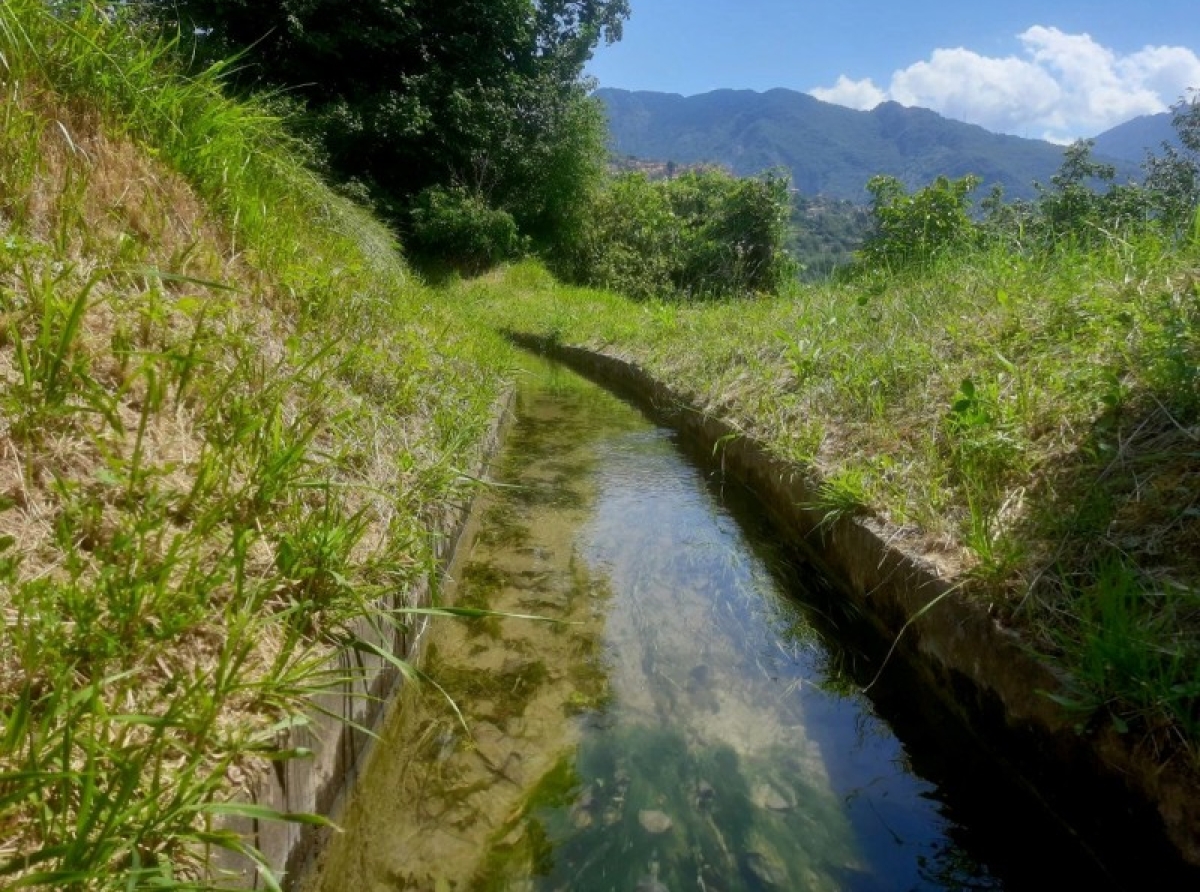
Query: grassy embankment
1032, 421
230, 419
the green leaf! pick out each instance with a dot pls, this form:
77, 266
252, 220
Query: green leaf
258, 813
153, 273
300, 752
477, 613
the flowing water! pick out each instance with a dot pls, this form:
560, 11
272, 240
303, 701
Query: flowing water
684, 723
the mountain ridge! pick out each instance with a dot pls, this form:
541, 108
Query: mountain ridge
1134, 138
828, 149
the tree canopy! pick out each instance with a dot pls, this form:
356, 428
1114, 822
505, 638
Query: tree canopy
486, 96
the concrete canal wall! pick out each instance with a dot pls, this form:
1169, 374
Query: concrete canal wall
339, 733
1099, 781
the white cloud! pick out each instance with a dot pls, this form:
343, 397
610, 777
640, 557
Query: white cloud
1000, 94
863, 95
1063, 86
1168, 70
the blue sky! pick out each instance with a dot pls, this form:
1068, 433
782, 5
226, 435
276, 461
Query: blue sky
1055, 70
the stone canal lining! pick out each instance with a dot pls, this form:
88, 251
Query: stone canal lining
1099, 782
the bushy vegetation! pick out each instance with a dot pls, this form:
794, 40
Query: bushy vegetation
700, 234
915, 229
228, 418
459, 228
1082, 208
470, 126
1124, 617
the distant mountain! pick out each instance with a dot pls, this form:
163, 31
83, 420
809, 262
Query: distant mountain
829, 150
1130, 141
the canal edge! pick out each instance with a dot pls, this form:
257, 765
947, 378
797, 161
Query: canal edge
979, 669
343, 720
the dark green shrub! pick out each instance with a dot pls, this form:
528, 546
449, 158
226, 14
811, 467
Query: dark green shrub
742, 242
913, 230
631, 240
459, 228
701, 234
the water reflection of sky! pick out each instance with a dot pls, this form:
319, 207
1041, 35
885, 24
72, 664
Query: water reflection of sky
704, 639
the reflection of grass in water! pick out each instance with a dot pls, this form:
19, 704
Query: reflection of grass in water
480, 582
587, 670
478, 586
591, 690
580, 827
534, 438
949, 867
569, 469
556, 492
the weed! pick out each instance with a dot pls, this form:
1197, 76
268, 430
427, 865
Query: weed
841, 495
1131, 659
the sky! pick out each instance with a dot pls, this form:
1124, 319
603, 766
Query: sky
1056, 70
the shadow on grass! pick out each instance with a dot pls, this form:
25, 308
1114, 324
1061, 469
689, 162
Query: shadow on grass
1115, 592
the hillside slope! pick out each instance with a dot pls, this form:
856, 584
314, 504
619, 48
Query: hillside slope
1133, 139
230, 419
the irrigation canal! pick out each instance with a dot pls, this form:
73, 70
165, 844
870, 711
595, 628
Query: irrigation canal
693, 720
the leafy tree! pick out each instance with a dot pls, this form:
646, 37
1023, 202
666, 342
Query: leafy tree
1172, 180
1084, 206
911, 230
701, 233
1186, 120
1005, 222
736, 232
1071, 207
552, 182
485, 96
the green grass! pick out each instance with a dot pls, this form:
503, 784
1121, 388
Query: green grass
229, 422
1031, 417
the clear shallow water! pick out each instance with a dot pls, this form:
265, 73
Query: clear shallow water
684, 724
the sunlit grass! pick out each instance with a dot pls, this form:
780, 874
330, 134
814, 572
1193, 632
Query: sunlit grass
1030, 416
230, 425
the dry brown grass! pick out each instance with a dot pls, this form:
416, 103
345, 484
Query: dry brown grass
209, 429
